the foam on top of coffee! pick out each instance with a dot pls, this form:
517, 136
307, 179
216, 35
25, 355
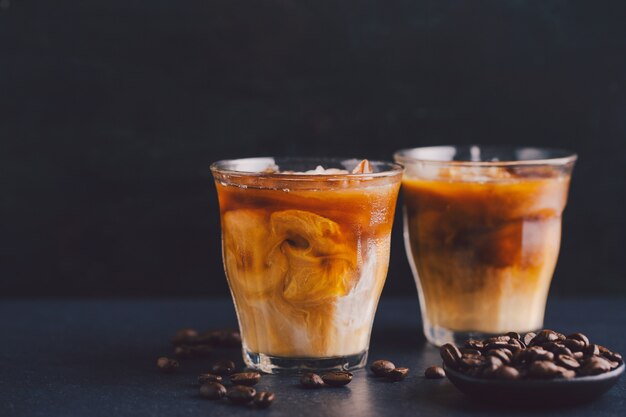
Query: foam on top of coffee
363, 167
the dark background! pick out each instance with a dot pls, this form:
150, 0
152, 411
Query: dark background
111, 111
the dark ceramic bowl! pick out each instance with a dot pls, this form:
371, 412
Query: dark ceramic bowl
535, 392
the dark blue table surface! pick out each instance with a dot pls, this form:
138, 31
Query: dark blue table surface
97, 358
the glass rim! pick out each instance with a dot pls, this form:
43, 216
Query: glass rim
221, 167
562, 156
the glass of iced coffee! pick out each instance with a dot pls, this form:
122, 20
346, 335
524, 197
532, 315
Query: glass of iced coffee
305, 244
482, 229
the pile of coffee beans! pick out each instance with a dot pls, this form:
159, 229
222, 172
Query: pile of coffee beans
388, 370
191, 344
312, 380
544, 355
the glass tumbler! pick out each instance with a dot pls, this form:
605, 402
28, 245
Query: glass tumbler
482, 230
305, 244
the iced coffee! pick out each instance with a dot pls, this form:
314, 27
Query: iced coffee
482, 231
306, 247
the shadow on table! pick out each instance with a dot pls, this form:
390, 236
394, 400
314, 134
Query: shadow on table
443, 395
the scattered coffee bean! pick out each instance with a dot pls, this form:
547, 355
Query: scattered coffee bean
204, 378
184, 336
450, 354
192, 351
381, 367
434, 372
245, 378
545, 355
167, 365
212, 391
240, 394
226, 338
223, 367
397, 374
338, 378
311, 380
264, 399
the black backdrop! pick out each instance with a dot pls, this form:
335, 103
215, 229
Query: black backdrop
112, 110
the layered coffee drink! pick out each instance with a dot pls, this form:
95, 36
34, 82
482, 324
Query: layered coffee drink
306, 252
483, 239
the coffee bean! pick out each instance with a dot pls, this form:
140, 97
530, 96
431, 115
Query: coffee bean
471, 361
578, 355
537, 353
337, 378
167, 365
612, 356
311, 380
515, 344
434, 372
528, 338
182, 351
474, 344
497, 339
184, 336
240, 394
381, 367
507, 373
468, 351
192, 351
513, 335
565, 373
227, 338
496, 345
223, 367
574, 345
397, 374
245, 378
264, 399
543, 370
450, 354
580, 337
595, 365
204, 378
491, 365
562, 350
545, 336
591, 350
567, 361
500, 354
212, 391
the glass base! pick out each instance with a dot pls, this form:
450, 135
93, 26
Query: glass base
439, 336
277, 364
